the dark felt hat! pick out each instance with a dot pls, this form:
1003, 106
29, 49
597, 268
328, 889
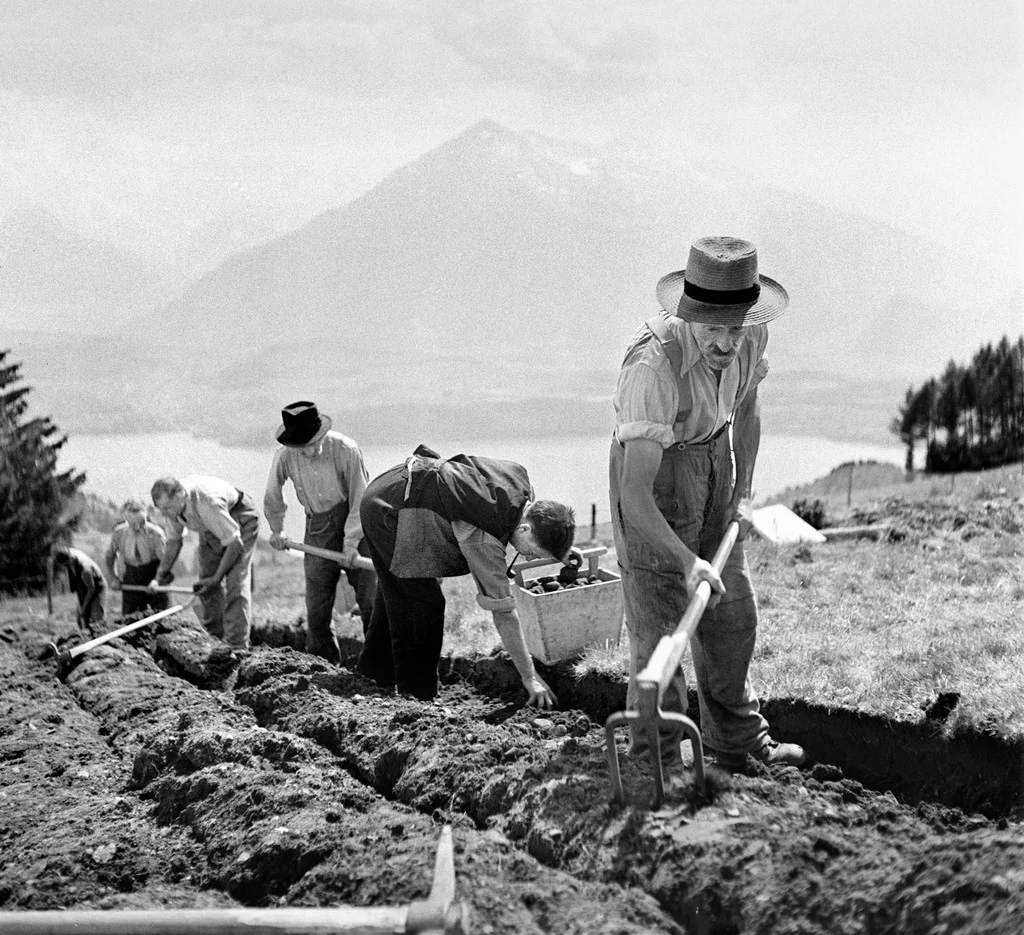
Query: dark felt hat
302, 424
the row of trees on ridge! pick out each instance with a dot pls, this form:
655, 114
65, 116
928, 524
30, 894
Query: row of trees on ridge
971, 417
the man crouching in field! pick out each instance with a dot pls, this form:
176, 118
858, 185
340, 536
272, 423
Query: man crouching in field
433, 518
227, 524
688, 374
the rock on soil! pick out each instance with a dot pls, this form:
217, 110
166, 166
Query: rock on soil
297, 783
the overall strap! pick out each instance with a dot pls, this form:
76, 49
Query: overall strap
660, 329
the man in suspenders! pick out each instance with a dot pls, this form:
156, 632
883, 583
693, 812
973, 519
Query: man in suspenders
226, 523
688, 374
326, 469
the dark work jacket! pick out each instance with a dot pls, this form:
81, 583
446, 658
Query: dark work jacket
485, 492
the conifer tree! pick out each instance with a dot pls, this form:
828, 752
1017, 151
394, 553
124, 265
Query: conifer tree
35, 497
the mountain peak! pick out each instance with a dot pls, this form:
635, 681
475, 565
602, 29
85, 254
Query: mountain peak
486, 128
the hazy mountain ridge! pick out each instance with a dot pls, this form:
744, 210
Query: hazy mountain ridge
500, 269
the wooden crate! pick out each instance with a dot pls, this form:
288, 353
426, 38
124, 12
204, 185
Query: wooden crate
560, 624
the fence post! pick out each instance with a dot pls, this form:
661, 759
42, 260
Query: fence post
593, 522
49, 585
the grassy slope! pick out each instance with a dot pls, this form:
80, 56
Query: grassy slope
877, 626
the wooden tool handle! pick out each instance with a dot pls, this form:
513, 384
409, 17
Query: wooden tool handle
664, 661
159, 589
121, 631
360, 561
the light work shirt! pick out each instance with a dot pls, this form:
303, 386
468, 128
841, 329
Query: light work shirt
135, 548
652, 402
334, 474
208, 508
485, 556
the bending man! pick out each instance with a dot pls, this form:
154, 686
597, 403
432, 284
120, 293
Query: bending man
687, 375
86, 582
227, 523
434, 518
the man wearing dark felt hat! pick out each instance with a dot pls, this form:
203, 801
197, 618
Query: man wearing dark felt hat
689, 376
326, 469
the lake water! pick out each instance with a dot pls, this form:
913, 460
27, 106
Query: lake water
570, 469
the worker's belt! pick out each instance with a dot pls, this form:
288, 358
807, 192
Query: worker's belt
682, 446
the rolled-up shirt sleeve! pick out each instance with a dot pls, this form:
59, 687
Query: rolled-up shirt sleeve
274, 506
646, 400
760, 371
485, 556
217, 520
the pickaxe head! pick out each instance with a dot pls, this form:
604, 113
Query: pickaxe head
64, 659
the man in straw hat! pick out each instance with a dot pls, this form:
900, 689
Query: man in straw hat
227, 524
688, 374
326, 469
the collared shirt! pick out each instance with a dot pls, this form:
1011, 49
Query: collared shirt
654, 403
334, 474
135, 548
208, 505
485, 556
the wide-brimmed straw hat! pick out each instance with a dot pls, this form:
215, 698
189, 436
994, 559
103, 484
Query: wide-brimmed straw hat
302, 424
721, 286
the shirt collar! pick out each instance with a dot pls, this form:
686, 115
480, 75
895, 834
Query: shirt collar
687, 343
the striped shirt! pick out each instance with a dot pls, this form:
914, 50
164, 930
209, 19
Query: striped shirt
208, 506
335, 474
652, 402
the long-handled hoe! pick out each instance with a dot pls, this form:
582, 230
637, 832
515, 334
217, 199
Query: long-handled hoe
438, 914
652, 682
66, 656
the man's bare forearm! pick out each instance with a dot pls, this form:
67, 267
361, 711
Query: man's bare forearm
171, 552
642, 460
510, 630
232, 553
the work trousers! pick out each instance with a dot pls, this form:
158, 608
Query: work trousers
135, 601
227, 612
406, 631
327, 530
91, 609
692, 490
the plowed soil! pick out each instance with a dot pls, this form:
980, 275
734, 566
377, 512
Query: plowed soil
297, 783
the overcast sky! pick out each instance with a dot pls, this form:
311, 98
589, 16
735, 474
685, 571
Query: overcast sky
169, 111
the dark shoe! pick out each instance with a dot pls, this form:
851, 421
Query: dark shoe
772, 753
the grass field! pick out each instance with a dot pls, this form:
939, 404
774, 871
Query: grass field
881, 627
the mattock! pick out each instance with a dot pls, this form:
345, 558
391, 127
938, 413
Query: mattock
66, 656
438, 914
652, 682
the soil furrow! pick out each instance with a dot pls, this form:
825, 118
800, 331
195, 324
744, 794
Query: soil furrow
69, 832
272, 818
772, 848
